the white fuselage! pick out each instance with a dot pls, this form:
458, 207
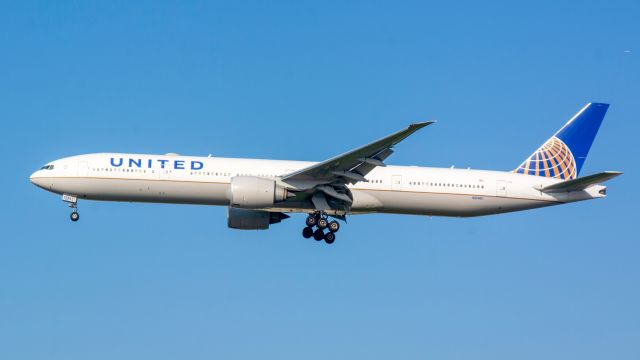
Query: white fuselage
391, 189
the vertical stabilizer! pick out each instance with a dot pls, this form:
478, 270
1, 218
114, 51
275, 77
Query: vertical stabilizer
563, 155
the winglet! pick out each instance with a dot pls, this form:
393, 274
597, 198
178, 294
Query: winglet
420, 125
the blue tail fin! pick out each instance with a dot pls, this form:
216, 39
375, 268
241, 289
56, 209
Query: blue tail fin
563, 155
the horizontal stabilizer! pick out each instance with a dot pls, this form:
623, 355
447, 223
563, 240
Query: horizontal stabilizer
581, 183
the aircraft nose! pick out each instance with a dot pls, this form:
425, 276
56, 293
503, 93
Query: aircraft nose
35, 179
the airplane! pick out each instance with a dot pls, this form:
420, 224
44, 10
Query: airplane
258, 193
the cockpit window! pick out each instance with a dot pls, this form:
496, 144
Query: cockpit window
47, 167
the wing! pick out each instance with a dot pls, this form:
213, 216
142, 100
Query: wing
352, 166
325, 184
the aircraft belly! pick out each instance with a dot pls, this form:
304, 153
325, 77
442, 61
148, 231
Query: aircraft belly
364, 201
181, 192
439, 204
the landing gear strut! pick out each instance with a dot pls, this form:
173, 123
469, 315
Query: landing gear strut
318, 220
73, 204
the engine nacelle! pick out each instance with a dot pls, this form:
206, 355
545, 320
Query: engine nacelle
251, 192
245, 219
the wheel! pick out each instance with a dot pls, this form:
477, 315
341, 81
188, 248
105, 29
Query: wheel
329, 237
311, 220
307, 232
334, 226
322, 223
318, 235
75, 216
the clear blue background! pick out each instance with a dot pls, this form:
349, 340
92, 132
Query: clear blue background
308, 80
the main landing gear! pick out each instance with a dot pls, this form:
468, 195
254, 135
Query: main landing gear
320, 222
73, 204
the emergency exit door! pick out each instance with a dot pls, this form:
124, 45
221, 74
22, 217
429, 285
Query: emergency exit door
501, 188
396, 182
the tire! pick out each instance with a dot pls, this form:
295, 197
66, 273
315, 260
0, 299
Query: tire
311, 221
307, 232
318, 235
334, 226
322, 223
329, 237
75, 216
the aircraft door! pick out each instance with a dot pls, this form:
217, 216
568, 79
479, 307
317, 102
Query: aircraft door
501, 188
83, 168
396, 182
163, 174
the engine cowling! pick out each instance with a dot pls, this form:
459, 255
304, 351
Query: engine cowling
245, 219
251, 192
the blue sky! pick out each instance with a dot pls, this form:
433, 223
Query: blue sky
305, 81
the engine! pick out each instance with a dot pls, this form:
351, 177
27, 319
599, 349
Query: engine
245, 219
250, 192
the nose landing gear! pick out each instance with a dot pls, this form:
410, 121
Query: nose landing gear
73, 204
318, 220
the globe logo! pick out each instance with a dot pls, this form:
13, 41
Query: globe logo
553, 159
